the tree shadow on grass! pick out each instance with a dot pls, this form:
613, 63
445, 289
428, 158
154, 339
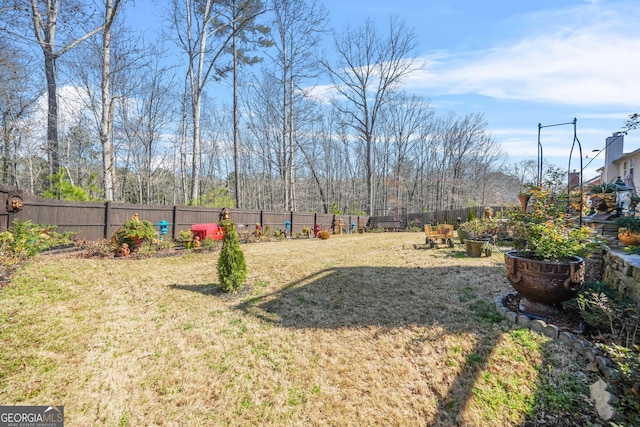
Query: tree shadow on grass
458, 300
454, 299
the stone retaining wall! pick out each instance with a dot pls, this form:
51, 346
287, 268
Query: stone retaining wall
622, 272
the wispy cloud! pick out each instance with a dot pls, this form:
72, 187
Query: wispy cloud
587, 56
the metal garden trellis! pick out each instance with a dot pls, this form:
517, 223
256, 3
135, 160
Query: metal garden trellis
575, 140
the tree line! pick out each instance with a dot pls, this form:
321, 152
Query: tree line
225, 107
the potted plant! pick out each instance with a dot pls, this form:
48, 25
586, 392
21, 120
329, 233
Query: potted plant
628, 230
547, 266
477, 233
134, 232
605, 191
187, 238
525, 194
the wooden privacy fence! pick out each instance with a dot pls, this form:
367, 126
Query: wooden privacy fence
97, 220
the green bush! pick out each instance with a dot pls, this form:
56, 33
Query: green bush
232, 269
26, 238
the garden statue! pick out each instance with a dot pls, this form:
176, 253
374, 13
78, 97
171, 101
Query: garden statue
123, 251
488, 213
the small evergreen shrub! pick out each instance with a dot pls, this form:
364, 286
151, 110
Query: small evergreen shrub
232, 269
323, 235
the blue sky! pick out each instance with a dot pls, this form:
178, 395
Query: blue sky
520, 63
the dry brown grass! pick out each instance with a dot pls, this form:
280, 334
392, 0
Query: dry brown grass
357, 330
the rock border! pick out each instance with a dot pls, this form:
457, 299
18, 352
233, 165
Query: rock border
600, 394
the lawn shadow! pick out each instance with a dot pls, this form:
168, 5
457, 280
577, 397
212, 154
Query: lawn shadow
390, 297
214, 289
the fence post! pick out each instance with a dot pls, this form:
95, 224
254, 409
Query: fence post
107, 218
174, 222
262, 219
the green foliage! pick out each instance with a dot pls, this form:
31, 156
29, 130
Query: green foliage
631, 223
604, 187
62, 189
617, 317
217, 198
632, 250
210, 244
232, 269
627, 384
546, 231
614, 314
135, 230
479, 228
335, 209
185, 235
355, 209
472, 214
26, 238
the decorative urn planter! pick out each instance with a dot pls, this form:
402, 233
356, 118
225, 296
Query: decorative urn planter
628, 238
524, 201
543, 284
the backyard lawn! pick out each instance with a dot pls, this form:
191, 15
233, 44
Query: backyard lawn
357, 330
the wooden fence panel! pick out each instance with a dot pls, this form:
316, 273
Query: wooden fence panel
97, 220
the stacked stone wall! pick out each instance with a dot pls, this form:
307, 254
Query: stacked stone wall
622, 272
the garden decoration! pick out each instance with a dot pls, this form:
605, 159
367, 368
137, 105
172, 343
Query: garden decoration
628, 230
477, 235
547, 267
134, 232
442, 233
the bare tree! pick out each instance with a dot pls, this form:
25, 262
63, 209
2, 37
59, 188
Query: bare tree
246, 33
371, 66
46, 19
195, 22
111, 10
16, 99
297, 28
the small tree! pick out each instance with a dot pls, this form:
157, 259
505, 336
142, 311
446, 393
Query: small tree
232, 269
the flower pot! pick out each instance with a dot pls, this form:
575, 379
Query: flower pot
628, 238
474, 248
609, 200
524, 200
543, 284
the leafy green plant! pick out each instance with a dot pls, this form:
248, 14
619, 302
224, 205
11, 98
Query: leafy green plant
134, 231
479, 228
632, 250
232, 269
210, 244
627, 384
631, 223
604, 187
185, 235
545, 231
62, 189
26, 238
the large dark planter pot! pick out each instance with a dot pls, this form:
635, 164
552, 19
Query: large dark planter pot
543, 285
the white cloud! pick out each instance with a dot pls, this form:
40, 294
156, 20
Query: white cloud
589, 56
